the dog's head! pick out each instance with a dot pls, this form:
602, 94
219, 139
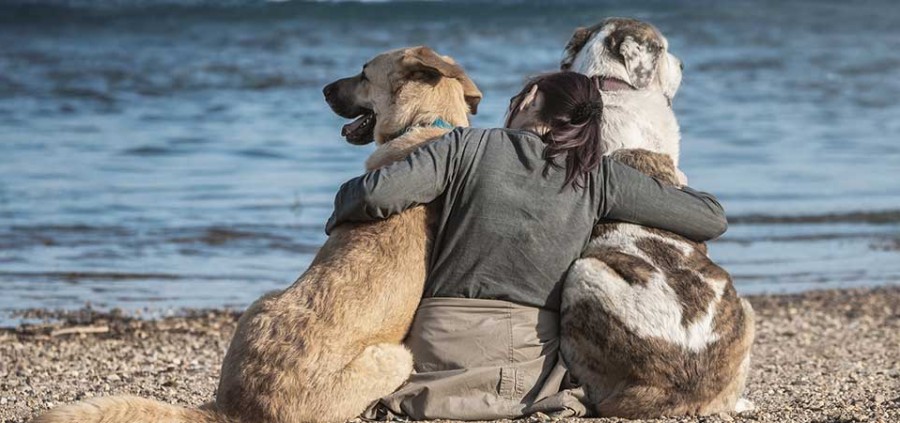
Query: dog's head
626, 49
396, 89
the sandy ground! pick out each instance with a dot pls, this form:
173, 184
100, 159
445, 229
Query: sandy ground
829, 356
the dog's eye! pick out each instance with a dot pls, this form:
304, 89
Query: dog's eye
362, 76
681, 65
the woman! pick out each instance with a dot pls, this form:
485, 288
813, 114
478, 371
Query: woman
517, 208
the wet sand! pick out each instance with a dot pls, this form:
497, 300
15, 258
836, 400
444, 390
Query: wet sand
824, 356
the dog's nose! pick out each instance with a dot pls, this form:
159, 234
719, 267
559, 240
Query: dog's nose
329, 90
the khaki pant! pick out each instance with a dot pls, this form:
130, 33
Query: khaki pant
482, 360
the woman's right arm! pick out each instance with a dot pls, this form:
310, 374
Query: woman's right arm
418, 179
631, 196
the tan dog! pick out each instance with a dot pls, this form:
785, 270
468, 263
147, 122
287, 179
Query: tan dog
650, 325
330, 344
639, 79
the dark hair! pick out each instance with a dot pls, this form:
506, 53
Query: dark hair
572, 110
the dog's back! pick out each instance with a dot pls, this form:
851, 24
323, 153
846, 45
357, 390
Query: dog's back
650, 325
639, 119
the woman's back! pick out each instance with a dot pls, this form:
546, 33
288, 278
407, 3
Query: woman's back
509, 226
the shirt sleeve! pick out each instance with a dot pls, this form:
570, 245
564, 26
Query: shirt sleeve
381, 193
631, 196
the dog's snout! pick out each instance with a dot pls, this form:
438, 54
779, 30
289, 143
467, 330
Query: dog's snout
329, 90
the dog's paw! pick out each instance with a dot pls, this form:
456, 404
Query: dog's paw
682, 178
392, 361
743, 405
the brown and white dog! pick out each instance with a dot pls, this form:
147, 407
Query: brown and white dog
329, 345
650, 325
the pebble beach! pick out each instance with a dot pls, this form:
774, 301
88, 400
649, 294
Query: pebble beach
820, 356
160, 155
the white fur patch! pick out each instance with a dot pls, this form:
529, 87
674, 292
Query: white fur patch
651, 311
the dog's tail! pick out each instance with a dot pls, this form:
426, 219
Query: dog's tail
129, 409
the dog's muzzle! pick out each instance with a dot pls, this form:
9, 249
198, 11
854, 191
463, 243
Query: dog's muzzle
362, 130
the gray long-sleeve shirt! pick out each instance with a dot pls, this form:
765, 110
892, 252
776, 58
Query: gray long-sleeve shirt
508, 228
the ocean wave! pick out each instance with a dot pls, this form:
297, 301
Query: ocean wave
746, 239
76, 275
868, 217
45, 10
103, 238
93, 85
887, 245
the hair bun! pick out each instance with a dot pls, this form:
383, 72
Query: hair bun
586, 111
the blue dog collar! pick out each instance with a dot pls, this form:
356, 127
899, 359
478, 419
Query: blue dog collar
441, 123
437, 123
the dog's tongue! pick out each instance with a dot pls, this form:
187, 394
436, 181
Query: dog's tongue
352, 127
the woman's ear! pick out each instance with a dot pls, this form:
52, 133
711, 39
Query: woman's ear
522, 108
533, 100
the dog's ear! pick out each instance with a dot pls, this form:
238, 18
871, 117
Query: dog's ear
471, 92
640, 55
579, 38
425, 62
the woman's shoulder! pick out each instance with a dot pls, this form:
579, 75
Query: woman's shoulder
494, 134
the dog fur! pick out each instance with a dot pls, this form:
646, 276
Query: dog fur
650, 325
329, 345
637, 54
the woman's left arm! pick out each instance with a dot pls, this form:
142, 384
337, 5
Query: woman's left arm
381, 193
634, 197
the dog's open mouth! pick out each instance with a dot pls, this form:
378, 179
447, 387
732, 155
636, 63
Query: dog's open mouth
360, 131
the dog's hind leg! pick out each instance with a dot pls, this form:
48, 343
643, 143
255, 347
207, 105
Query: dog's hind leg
376, 372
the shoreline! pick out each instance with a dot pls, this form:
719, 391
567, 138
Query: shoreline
829, 355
